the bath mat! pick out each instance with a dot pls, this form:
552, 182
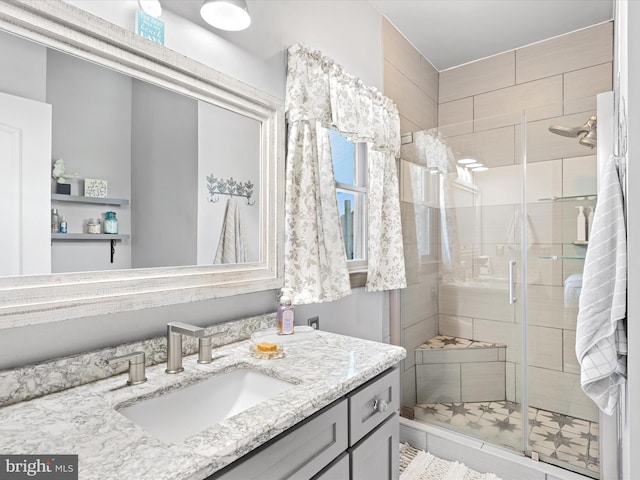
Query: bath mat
419, 465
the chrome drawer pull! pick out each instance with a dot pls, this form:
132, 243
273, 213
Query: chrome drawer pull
380, 405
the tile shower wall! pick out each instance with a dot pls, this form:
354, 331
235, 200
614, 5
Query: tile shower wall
412, 82
479, 112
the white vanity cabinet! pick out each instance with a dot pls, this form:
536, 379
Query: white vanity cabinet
355, 438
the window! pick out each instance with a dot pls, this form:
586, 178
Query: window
350, 172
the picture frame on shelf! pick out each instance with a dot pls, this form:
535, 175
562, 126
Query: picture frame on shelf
95, 188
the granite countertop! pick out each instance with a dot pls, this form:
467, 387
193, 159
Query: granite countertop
83, 420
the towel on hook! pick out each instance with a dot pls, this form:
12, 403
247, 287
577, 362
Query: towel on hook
232, 247
602, 306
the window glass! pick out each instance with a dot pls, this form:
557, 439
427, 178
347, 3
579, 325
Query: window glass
349, 163
343, 153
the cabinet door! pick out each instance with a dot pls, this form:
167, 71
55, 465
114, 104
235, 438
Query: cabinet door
377, 456
299, 453
339, 470
372, 403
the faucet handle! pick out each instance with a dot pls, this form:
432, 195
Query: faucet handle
204, 347
185, 329
136, 366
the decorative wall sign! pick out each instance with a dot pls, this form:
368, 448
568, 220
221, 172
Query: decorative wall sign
150, 27
95, 188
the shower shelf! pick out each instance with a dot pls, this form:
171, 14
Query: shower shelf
569, 198
560, 257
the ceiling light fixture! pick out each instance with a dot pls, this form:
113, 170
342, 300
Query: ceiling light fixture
151, 7
479, 169
466, 161
232, 15
474, 165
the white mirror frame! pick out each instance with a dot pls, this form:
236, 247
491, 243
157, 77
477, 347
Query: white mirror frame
35, 299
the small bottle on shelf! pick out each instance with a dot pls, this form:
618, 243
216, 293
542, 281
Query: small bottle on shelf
110, 222
93, 226
55, 221
63, 225
581, 226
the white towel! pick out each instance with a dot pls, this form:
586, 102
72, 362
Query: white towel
602, 307
231, 247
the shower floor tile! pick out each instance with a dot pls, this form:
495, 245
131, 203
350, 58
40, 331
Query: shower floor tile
563, 440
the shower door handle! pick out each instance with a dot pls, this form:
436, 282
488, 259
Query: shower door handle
512, 282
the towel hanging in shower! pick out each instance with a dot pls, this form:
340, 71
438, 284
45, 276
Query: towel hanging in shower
600, 333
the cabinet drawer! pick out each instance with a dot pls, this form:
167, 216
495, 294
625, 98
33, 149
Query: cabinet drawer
377, 456
372, 403
299, 453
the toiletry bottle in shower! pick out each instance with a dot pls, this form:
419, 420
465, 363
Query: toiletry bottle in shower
63, 225
581, 226
285, 318
590, 221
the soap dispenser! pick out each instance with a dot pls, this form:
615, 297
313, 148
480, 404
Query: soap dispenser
285, 318
581, 226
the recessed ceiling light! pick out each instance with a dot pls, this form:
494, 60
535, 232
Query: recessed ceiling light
474, 165
466, 161
479, 169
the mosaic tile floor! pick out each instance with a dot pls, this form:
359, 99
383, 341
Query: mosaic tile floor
562, 440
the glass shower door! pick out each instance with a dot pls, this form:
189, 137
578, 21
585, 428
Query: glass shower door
466, 360
503, 271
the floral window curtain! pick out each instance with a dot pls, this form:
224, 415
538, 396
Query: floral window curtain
320, 95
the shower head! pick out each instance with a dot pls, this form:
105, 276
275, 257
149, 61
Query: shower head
586, 132
590, 139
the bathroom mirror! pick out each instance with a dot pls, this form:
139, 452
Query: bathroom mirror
213, 102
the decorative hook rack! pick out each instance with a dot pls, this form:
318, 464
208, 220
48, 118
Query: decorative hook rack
220, 186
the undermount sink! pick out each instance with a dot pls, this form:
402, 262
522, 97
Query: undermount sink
178, 414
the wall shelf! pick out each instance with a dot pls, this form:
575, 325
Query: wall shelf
558, 257
111, 237
569, 198
58, 197
89, 236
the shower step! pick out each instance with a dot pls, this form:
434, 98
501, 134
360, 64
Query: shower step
454, 369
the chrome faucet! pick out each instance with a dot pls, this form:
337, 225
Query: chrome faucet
175, 330
136, 366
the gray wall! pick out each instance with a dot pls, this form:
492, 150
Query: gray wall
92, 133
164, 177
23, 67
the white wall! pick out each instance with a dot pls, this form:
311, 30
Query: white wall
347, 31
225, 154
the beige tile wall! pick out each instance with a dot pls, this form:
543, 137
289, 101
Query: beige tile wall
410, 80
480, 111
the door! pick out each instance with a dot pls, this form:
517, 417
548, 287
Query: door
25, 186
